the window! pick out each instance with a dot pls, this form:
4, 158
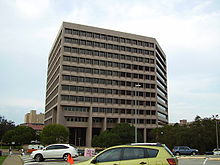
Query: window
110, 155
51, 147
152, 153
68, 31
134, 153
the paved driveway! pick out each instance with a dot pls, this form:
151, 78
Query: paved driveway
190, 160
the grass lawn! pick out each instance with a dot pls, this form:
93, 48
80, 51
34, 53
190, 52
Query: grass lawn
2, 158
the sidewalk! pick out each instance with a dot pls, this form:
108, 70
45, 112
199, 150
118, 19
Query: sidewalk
13, 160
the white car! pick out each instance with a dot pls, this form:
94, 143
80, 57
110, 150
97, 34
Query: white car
54, 151
216, 151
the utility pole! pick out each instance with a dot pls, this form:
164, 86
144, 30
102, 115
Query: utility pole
216, 127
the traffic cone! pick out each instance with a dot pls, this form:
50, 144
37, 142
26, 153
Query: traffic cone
70, 159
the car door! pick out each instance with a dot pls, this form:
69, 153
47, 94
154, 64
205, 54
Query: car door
48, 152
134, 156
182, 150
109, 157
60, 150
187, 151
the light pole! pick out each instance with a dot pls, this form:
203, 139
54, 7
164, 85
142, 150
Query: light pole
216, 127
136, 106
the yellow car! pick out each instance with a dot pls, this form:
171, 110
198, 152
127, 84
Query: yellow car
134, 154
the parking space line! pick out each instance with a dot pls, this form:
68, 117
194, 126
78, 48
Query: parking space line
205, 161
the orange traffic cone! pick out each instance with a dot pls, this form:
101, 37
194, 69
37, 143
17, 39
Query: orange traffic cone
70, 159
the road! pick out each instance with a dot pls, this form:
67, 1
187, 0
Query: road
201, 160
29, 161
198, 162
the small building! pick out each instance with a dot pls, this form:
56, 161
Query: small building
33, 117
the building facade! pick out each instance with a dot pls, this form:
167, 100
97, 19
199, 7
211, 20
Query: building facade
97, 78
33, 117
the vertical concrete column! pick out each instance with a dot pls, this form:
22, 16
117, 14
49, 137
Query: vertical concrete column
104, 127
89, 130
145, 135
119, 120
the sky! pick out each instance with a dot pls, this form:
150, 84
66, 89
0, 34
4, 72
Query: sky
187, 30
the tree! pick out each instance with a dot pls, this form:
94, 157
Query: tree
54, 133
123, 133
20, 135
5, 125
200, 134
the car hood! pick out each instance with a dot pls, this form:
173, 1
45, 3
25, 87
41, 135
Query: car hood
86, 162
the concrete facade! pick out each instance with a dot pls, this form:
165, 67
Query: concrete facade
97, 78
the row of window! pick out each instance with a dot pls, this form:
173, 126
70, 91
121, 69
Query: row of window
140, 121
108, 63
161, 107
162, 115
107, 91
123, 111
111, 120
76, 108
77, 119
109, 110
108, 46
106, 100
107, 72
108, 37
106, 54
107, 82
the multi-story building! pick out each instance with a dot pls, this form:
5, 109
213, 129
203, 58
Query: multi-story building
33, 117
97, 78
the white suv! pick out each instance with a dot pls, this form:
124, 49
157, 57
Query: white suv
54, 151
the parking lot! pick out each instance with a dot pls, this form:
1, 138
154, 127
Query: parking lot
200, 161
190, 160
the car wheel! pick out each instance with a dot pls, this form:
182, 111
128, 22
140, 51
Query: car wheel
38, 158
193, 153
65, 157
177, 154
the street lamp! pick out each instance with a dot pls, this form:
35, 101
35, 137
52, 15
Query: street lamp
136, 106
216, 126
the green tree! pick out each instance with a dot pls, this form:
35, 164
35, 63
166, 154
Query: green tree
54, 133
199, 134
5, 126
123, 133
20, 135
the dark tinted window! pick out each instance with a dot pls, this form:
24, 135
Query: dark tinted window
51, 148
152, 153
134, 153
110, 155
61, 147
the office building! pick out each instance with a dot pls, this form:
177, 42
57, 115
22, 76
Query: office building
97, 78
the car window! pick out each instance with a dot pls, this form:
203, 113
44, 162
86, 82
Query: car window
61, 147
51, 147
152, 153
110, 155
134, 153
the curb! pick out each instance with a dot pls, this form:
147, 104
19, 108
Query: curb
214, 159
198, 157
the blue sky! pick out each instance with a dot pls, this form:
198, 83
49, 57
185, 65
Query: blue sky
188, 31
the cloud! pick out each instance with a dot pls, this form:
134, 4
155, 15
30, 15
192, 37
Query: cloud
21, 102
15, 108
192, 95
32, 9
188, 32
